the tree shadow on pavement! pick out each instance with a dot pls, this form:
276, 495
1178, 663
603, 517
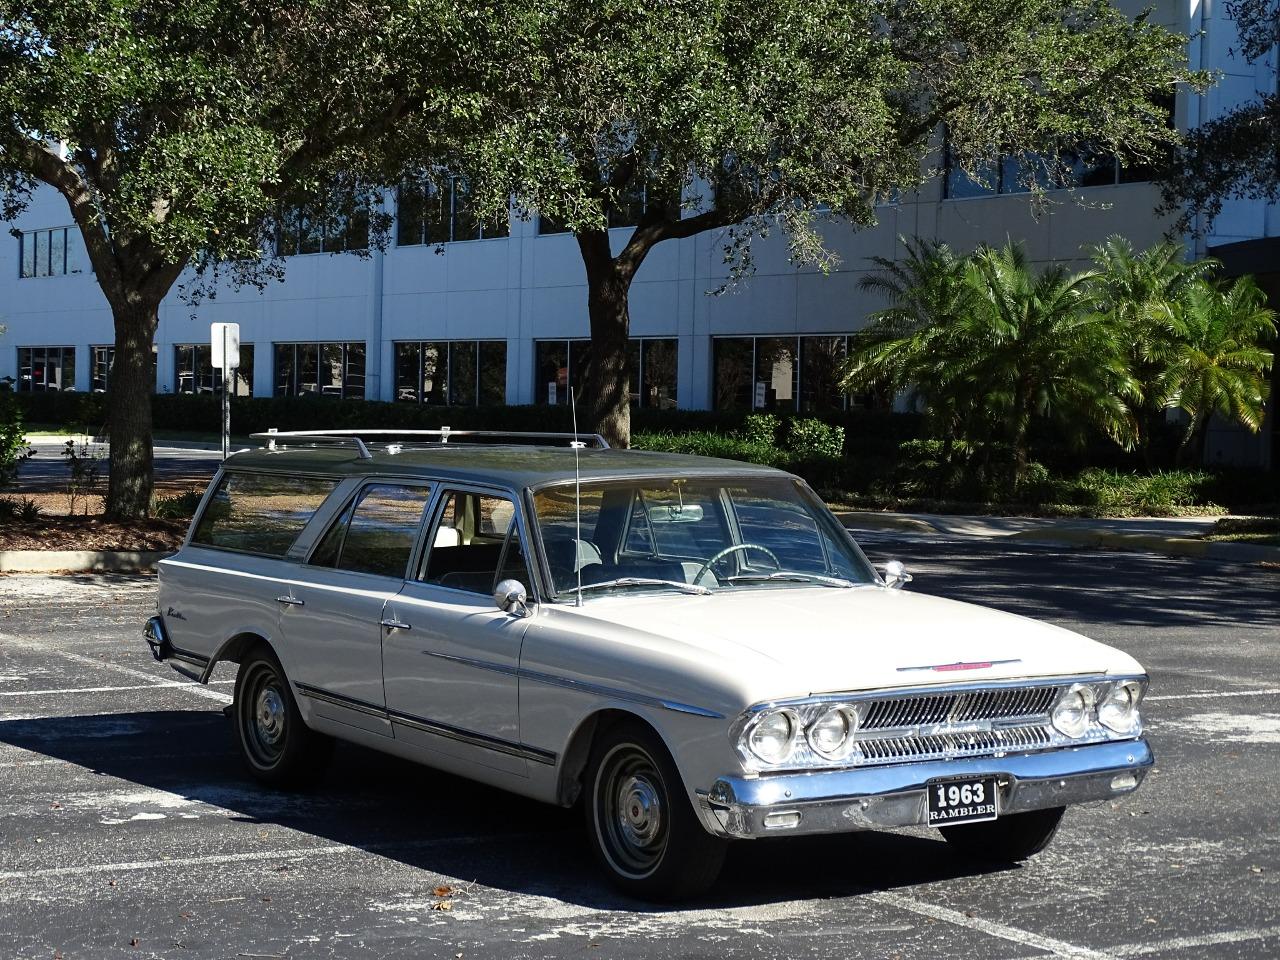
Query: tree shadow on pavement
451, 826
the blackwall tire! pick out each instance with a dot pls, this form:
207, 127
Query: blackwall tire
640, 823
1009, 839
274, 742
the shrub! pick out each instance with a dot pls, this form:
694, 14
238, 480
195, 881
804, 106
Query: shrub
28, 510
13, 439
180, 506
811, 438
760, 428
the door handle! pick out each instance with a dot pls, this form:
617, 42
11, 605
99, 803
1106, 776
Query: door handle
291, 601
397, 625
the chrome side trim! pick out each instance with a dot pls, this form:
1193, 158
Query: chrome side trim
497, 744
619, 694
338, 700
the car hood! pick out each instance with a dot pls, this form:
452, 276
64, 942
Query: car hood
803, 641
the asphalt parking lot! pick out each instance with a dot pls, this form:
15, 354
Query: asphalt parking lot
127, 828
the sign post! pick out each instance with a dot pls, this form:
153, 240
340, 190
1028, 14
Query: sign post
224, 344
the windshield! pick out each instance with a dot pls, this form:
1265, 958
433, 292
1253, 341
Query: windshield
695, 535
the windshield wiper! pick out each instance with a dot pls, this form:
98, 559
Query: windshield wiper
793, 576
640, 582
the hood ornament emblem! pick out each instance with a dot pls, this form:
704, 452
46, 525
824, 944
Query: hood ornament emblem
960, 665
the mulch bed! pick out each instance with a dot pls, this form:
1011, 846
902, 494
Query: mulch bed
91, 533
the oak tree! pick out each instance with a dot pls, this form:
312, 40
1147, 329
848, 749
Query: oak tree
683, 116
176, 130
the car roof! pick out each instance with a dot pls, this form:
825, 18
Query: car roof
514, 466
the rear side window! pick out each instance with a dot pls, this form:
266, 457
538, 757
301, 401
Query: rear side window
376, 532
260, 512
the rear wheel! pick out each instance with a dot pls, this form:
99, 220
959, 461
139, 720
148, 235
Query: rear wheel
640, 823
275, 744
1008, 839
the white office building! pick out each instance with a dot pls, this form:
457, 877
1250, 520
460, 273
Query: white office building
450, 314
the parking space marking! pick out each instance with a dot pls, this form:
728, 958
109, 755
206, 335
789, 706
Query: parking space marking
1204, 940
1054, 947
134, 686
1271, 692
152, 679
253, 856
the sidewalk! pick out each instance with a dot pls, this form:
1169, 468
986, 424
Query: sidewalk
1175, 536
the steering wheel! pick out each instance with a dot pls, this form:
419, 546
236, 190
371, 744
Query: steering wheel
734, 549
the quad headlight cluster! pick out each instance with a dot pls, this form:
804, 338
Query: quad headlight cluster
826, 733
802, 735
1110, 705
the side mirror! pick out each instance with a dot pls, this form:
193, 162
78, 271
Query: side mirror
895, 575
511, 597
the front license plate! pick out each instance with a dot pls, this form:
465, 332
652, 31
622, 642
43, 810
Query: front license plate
962, 801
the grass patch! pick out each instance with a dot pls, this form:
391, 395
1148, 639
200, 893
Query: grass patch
1264, 531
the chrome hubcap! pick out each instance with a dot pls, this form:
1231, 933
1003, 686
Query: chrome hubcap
639, 811
270, 716
629, 809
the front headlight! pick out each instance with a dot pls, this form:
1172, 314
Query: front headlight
831, 733
772, 737
1073, 711
1118, 710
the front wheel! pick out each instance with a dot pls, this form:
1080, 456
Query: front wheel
640, 823
1008, 839
275, 744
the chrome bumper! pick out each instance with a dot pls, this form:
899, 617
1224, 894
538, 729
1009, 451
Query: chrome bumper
162, 649
873, 798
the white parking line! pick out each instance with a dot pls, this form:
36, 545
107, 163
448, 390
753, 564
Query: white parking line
1269, 692
132, 686
1204, 940
152, 679
1055, 948
296, 853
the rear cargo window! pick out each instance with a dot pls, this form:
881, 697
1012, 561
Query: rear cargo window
260, 513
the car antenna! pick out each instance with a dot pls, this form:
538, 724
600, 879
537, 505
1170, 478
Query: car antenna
577, 498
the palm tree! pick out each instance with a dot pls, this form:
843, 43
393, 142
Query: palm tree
1134, 289
990, 344
1213, 360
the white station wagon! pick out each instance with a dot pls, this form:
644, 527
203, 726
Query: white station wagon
695, 649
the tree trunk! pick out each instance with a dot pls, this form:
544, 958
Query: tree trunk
606, 391
133, 381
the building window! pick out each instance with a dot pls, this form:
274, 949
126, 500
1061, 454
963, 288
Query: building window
560, 363
49, 253
653, 373
631, 205
779, 373
1012, 174
312, 230
428, 211
320, 370
194, 372
46, 368
100, 360
460, 373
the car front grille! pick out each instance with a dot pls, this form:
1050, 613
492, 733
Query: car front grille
999, 704
968, 723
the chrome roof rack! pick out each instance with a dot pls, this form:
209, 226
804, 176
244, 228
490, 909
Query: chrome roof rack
277, 438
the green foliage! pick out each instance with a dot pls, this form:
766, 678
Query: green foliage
760, 428
84, 470
813, 439
13, 440
25, 510
991, 348
180, 506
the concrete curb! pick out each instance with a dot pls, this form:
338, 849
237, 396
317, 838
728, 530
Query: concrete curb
80, 561
1153, 543
870, 520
